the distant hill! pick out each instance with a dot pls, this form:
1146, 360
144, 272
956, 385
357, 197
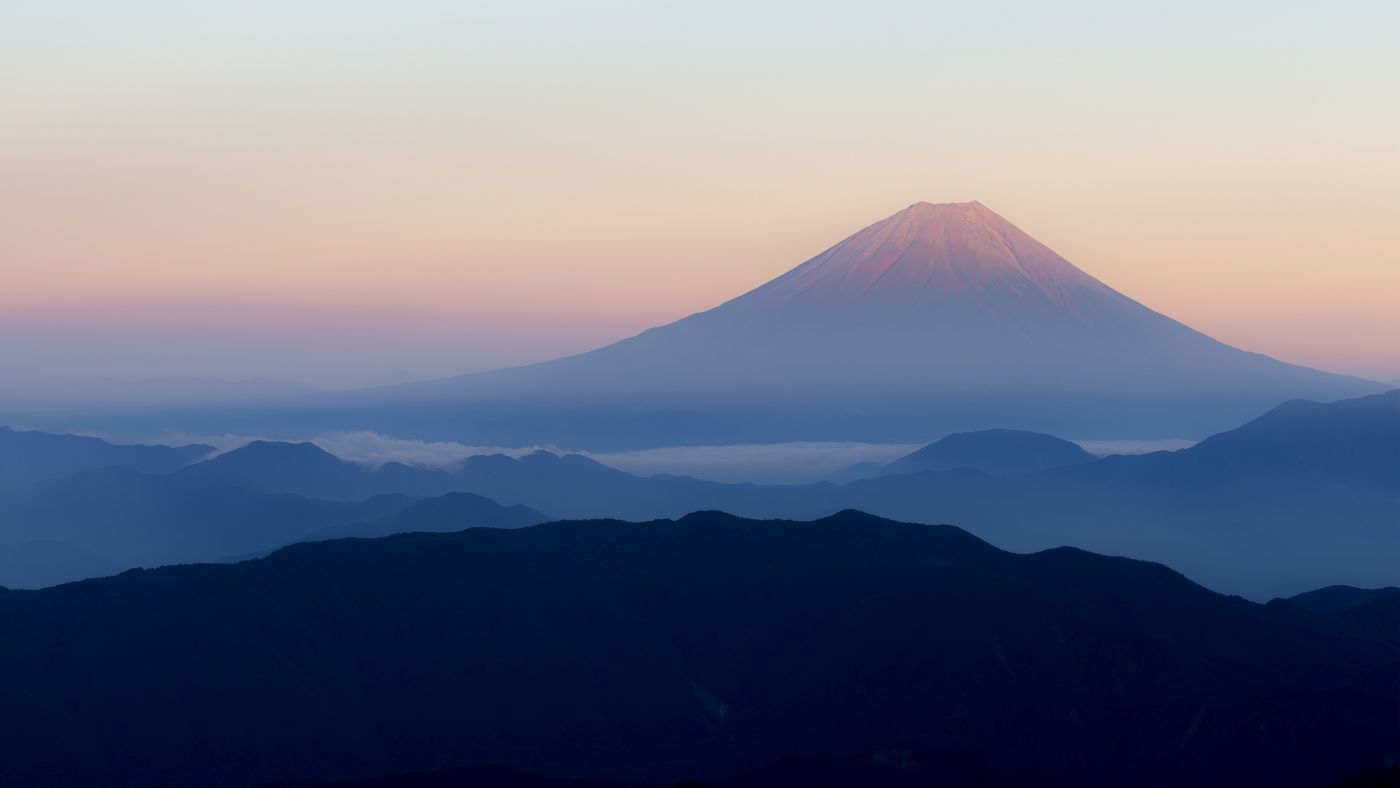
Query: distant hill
99, 522
306, 469
709, 647
1332, 598
571, 484
450, 512
133, 519
40, 563
29, 457
999, 452
1354, 442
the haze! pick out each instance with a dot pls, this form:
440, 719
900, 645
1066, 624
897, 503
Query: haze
349, 196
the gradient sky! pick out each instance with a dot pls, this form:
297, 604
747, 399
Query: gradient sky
351, 193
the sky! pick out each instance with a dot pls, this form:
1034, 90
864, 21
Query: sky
353, 193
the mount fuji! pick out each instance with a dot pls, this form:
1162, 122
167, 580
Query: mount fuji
938, 319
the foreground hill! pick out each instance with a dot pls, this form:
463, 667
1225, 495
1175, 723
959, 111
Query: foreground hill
1323, 600
704, 648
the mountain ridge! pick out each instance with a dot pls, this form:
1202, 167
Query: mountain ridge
31, 456
954, 248
702, 647
1258, 490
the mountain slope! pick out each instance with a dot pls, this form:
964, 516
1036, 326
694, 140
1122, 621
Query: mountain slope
938, 319
1354, 442
700, 648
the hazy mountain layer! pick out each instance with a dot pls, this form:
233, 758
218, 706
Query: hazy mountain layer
1307, 495
27, 457
100, 522
134, 519
450, 512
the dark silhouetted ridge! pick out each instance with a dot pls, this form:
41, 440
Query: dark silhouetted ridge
708, 648
1341, 597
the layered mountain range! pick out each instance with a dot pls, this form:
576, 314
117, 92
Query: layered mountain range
1306, 495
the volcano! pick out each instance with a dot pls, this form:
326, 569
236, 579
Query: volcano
937, 319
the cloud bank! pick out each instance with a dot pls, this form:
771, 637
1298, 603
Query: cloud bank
763, 463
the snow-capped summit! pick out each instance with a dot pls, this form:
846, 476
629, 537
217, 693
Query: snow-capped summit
960, 250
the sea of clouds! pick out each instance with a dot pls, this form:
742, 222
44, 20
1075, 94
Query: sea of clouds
796, 462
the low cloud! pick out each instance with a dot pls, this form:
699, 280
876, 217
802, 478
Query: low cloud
367, 448
797, 462
374, 449
765, 463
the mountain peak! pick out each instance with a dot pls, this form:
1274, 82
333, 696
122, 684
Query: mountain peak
926, 215
923, 208
261, 454
962, 252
